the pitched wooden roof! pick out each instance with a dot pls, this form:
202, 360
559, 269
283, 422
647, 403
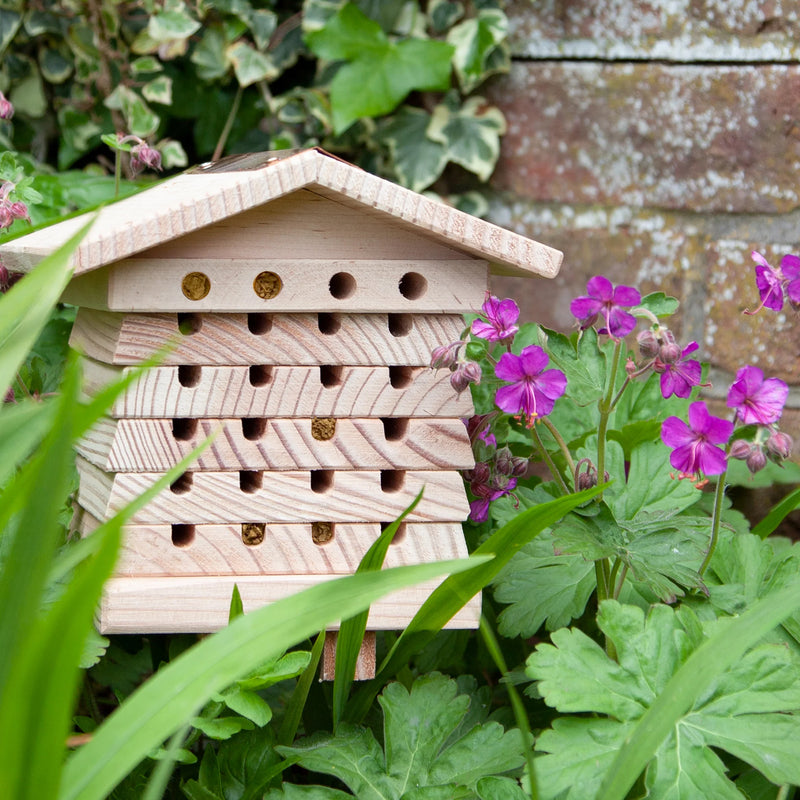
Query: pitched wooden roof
212, 192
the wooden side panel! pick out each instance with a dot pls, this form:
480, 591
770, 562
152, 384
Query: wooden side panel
178, 605
304, 339
218, 497
135, 445
365, 662
364, 286
283, 392
285, 549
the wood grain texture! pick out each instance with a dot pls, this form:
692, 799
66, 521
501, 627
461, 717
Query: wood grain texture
285, 549
402, 285
289, 392
135, 445
283, 496
194, 200
365, 662
201, 604
303, 339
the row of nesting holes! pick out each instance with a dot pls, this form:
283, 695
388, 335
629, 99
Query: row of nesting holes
253, 533
267, 285
260, 324
322, 428
320, 481
189, 375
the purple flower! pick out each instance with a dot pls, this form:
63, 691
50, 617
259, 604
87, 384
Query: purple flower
773, 283
6, 109
681, 375
501, 317
144, 157
757, 401
465, 373
606, 301
790, 266
485, 494
695, 452
534, 390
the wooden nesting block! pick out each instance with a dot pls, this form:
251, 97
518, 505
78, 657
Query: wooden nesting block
201, 604
281, 285
225, 497
154, 445
321, 548
269, 391
246, 339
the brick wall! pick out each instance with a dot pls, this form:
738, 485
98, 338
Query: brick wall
658, 143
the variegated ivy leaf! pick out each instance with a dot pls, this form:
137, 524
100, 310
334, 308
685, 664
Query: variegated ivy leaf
55, 68
146, 64
209, 55
10, 22
172, 153
471, 133
444, 13
159, 90
174, 22
27, 96
249, 65
418, 160
139, 118
480, 48
262, 25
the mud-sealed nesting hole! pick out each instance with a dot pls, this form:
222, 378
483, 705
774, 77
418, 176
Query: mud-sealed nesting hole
330, 376
413, 286
259, 324
321, 480
253, 428
392, 480
182, 484
399, 534
400, 324
182, 535
251, 480
328, 324
267, 285
253, 533
184, 429
189, 375
394, 428
401, 377
259, 375
323, 428
342, 285
195, 285
322, 532
189, 324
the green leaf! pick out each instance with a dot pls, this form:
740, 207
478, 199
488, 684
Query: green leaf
27, 95
158, 90
493, 788
54, 67
139, 117
245, 764
172, 153
444, 13
175, 23
581, 360
221, 727
10, 22
249, 65
145, 64
209, 55
262, 23
471, 133
777, 514
22, 428
291, 792
477, 42
348, 35
660, 304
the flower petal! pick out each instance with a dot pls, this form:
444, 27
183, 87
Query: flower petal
600, 287
711, 460
533, 359
676, 433
509, 368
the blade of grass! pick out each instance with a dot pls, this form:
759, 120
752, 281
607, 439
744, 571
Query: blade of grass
710, 660
294, 708
162, 704
777, 514
351, 632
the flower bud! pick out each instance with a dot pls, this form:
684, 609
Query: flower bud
6, 109
779, 445
648, 343
504, 461
740, 449
9, 398
19, 211
466, 373
444, 356
586, 480
480, 473
144, 157
669, 353
756, 460
519, 466
6, 217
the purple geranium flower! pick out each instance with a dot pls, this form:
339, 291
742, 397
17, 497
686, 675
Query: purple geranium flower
501, 317
485, 494
695, 452
757, 400
773, 283
534, 390
680, 376
606, 301
790, 267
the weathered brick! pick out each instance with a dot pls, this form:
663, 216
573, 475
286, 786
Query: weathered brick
670, 30
705, 138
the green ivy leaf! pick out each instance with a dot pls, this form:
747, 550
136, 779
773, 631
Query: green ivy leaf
471, 133
347, 36
173, 23
247, 704
172, 153
443, 14
221, 727
145, 64
27, 95
158, 90
10, 22
139, 118
262, 24
249, 65
54, 67
660, 304
480, 48
742, 712
209, 55
418, 160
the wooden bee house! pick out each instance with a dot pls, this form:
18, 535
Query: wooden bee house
303, 297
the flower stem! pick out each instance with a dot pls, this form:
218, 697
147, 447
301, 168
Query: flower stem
605, 406
223, 137
554, 471
620, 582
715, 521
561, 443
117, 170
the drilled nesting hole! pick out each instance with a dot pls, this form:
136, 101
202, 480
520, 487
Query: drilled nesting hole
267, 285
195, 285
413, 286
259, 375
250, 480
259, 324
321, 480
184, 429
330, 376
182, 535
322, 532
400, 324
189, 375
323, 428
399, 534
401, 377
328, 324
182, 484
392, 480
253, 428
189, 324
253, 533
394, 428
342, 285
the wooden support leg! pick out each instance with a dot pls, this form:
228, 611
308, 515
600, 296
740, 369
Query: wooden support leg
365, 664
